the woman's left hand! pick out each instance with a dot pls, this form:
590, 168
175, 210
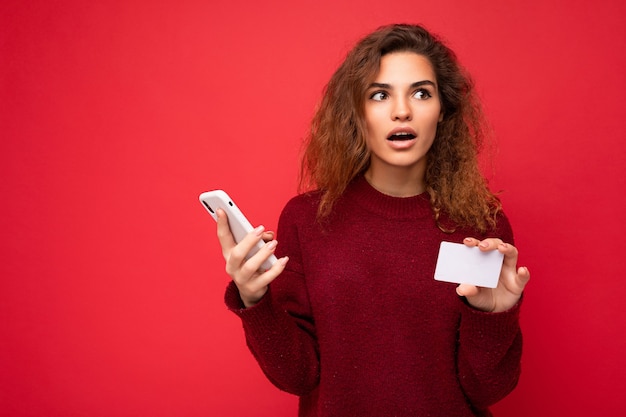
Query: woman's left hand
510, 284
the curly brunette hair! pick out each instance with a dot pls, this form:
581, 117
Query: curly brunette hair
336, 152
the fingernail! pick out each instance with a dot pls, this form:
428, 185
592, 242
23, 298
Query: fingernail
283, 261
483, 245
271, 245
259, 230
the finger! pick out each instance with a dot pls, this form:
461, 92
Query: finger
510, 255
239, 252
467, 290
268, 236
523, 276
255, 262
490, 244
471, 242
253, 290
271, 274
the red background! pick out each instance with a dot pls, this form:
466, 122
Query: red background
114, 116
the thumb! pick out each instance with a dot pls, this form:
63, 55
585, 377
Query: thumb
466, 290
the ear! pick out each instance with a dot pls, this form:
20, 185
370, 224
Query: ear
441, 117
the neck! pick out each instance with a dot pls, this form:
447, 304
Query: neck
396, 182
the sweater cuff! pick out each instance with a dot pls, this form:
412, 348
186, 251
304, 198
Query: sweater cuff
488, 328
232, 298
255, 316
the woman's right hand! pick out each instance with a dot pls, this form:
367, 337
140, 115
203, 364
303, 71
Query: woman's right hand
250, 281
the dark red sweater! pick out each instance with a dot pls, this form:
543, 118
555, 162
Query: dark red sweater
356, 325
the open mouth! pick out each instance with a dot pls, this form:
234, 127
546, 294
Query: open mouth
401, 136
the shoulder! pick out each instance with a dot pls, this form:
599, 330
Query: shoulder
301, 206
298, 219
299, 214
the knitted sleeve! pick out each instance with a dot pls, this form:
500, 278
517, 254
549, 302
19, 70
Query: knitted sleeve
489, 355
279, 330
490, 348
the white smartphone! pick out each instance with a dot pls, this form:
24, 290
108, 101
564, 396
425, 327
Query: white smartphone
239, 225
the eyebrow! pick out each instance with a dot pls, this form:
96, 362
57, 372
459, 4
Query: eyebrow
414, 85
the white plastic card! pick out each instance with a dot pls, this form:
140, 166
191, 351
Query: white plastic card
464, 265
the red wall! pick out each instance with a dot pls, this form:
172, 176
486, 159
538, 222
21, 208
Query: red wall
114, 116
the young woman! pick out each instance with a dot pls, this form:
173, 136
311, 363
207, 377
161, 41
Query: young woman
350, 318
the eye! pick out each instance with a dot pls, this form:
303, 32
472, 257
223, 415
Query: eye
378, 96
422, 94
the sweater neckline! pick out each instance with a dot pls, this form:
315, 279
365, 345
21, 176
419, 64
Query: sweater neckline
400, 208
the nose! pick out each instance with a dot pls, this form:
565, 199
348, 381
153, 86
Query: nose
401, 109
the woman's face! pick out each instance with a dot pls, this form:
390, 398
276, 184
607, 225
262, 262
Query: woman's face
402, 109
